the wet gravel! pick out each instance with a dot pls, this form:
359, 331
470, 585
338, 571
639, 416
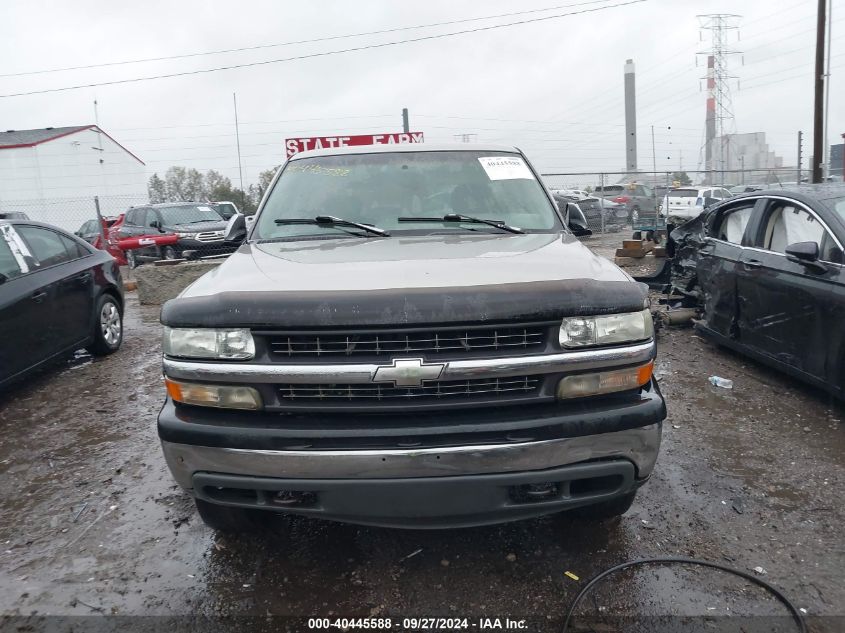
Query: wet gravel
91, 522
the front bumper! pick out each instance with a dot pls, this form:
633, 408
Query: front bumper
436, 487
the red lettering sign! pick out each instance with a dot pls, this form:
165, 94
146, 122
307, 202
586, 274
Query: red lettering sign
295, 145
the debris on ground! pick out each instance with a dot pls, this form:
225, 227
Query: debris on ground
724, 383
759, 571
411, 555
571, 575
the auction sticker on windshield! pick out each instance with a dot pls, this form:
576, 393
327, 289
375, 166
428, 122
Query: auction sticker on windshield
505, 167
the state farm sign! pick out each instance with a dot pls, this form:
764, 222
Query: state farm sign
294, 145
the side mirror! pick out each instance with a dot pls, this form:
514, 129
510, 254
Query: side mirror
806, 254
576, 221
235, 228
803, 252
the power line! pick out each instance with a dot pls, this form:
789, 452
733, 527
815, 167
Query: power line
295, 42
322, 54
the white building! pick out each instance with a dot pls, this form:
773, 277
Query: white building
53, 174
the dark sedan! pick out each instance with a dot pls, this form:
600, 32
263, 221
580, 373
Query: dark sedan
57, 294
768, 268
199, 227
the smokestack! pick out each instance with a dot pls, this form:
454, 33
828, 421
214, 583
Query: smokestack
710, 119
630, 118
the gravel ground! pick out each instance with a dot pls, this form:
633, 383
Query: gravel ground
92, 524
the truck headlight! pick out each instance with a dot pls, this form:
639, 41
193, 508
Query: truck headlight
186, 235
220, 344
220, 396
606, 329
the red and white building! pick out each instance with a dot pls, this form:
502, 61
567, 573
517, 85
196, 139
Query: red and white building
39, 169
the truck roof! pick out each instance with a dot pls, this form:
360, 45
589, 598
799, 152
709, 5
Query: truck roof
405, 147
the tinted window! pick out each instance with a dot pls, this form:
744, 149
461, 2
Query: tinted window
730, 226
8, 264
75, 249
48, 247
150, 219
135, 217
838, 205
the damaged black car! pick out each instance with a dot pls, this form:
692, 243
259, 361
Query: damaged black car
767, 270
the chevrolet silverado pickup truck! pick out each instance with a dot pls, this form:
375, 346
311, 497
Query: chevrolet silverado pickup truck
409, 336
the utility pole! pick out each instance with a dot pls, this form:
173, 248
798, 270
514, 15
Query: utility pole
406, 125
238, 141
719, 119
826, 169
818, 103
799, 157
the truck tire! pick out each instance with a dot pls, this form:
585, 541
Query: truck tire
226, 518
606, 509
108, 326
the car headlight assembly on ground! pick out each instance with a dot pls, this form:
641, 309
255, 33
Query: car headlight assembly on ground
608, 329
208, 343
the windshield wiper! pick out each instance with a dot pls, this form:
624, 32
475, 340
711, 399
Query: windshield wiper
329, 220
459, 217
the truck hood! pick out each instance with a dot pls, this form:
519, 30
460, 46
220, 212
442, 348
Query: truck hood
409, 279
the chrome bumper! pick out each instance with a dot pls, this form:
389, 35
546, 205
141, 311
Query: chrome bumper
640, 446
363, 373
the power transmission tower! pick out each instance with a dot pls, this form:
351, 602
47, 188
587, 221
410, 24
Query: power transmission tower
720, 119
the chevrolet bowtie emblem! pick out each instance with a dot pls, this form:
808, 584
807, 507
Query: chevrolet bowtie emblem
408, 372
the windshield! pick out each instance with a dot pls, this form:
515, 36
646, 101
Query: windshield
188, 214
838, 205
225, 209
379, 188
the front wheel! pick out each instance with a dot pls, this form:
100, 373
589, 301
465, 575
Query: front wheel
168, 252
131, 260
108, 326
606, 509
226, 518
635, 215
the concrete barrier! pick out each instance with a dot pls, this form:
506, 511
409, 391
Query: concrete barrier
157, 284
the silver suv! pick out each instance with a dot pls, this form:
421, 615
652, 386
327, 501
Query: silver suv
640, 200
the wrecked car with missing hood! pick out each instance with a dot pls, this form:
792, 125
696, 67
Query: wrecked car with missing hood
767, 270
410, 336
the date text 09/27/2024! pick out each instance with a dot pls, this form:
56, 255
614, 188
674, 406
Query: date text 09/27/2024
417, 624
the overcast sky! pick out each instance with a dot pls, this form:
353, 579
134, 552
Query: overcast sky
553, 87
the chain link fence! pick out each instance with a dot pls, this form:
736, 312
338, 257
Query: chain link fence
132, 230
137, 233
622, 201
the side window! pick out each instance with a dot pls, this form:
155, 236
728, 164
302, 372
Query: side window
131, 217
730, 225
74, 249
152, 218
9, 267
788, 224
48, 247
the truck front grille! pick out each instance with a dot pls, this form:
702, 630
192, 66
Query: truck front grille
502, 340
210, 236
434, 391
